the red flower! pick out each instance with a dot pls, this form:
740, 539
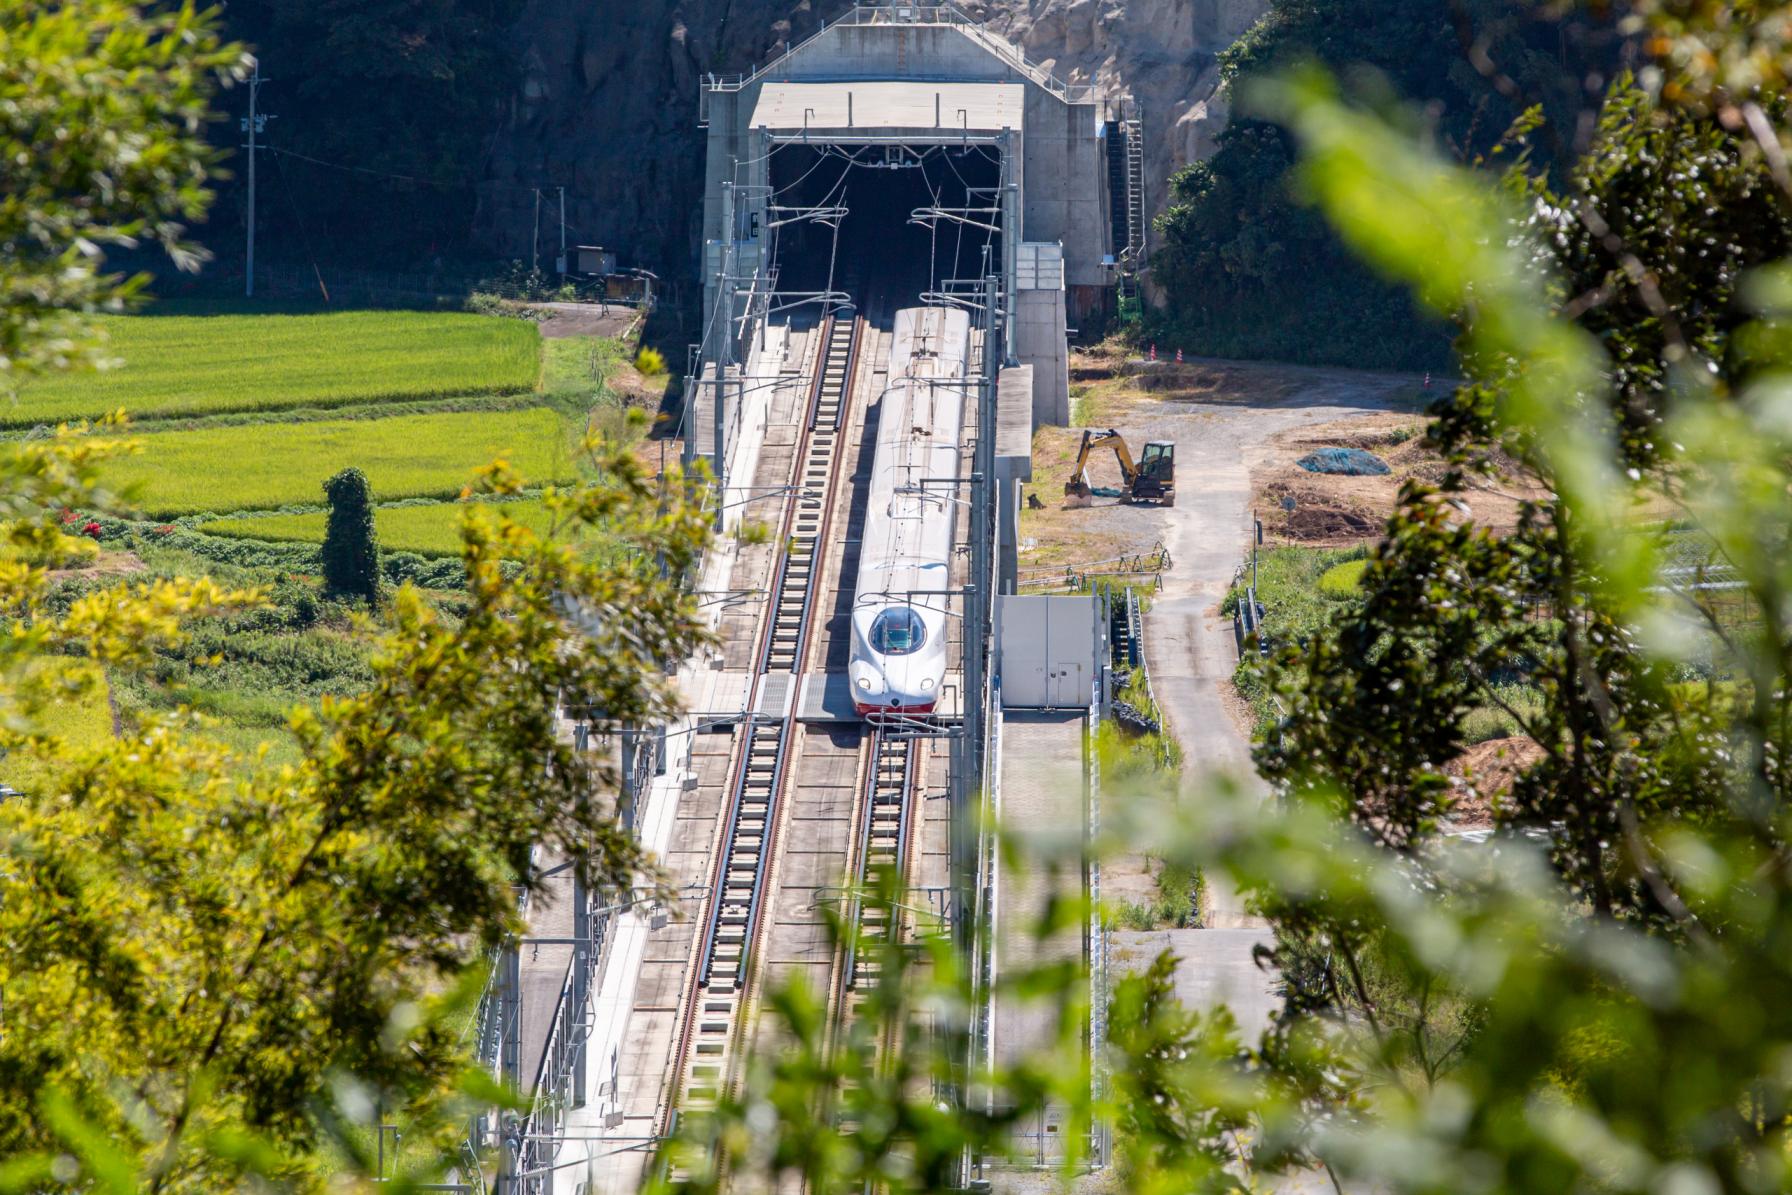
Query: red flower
91, 528
163, 529
69, 516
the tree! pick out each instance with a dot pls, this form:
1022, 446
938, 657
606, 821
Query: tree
1650, 239
197, 952
1247, 269
351, 551
215, 969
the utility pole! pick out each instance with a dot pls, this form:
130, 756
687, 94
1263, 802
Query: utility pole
563, 262
725, 358
252, 125
535, 243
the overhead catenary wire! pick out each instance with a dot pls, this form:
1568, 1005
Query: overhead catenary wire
441, 184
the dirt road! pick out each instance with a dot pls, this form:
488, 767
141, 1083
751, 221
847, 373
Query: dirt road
1222, 416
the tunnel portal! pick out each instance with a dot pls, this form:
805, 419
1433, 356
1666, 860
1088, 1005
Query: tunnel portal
884, 223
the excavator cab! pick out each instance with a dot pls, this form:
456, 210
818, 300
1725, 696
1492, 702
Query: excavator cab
1155, 480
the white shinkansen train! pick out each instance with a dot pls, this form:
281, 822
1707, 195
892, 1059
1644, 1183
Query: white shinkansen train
898, 660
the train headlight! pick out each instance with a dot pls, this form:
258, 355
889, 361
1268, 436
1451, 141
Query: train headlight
865, 683
927, 684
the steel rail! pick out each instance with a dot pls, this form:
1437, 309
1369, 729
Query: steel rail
883, 842
728, 952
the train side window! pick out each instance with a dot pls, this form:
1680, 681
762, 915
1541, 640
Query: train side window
897, 632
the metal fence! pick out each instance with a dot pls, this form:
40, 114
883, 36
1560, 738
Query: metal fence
1147, 567
526, 1146
371, 287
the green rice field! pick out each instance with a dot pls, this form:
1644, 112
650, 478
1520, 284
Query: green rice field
192, 365
261, 466
429, 530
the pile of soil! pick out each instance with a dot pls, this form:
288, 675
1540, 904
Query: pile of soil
1487, 772
1317, 513
1339, 510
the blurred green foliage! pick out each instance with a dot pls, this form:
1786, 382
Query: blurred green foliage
103, 108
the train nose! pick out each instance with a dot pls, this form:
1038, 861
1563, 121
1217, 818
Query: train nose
892, 687
869, 687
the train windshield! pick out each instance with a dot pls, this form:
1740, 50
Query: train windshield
897, 632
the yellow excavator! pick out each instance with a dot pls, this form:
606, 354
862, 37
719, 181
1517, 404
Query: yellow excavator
1150, 479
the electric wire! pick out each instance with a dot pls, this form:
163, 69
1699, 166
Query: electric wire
304, 235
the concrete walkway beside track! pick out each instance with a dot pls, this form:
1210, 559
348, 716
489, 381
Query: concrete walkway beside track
1043, 791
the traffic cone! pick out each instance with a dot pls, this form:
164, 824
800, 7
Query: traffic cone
1179, 356
1427, 379
1154, 352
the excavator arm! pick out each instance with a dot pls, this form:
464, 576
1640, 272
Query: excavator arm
1149, 478
1092, 440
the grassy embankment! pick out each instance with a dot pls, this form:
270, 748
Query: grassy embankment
1301, 590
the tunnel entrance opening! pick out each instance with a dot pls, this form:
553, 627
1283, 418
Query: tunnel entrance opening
877, 253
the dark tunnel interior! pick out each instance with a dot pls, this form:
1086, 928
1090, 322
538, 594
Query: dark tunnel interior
877, 254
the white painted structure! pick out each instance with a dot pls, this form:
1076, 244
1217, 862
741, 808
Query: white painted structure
1049, 651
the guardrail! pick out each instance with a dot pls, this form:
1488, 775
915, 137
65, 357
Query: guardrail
1247, 618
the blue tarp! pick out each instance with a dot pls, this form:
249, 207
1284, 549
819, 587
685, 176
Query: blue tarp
1352, 462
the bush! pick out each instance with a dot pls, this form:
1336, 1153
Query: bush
351, 552
1343, 581
651, 362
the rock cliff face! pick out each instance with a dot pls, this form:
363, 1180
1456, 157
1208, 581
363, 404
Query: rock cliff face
607, 106
1161, 51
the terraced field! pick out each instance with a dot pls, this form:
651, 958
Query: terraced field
237, 417
190, 365
432, 530
267, 465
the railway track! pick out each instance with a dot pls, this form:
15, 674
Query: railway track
873, 921
720, 989
883, 848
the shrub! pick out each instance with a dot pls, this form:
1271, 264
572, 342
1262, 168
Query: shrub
754, 531
1343, 581
651, 362
351, 553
